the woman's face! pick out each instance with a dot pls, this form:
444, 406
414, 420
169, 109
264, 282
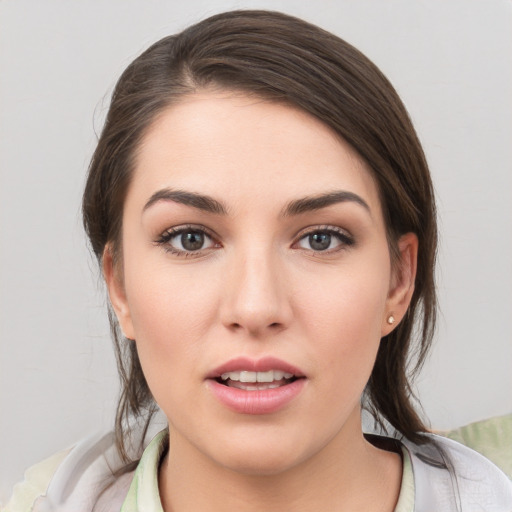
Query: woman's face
255, 279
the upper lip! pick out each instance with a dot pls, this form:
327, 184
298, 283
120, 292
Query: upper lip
263, 364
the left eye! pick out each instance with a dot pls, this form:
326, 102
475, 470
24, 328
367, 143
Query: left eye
324, 240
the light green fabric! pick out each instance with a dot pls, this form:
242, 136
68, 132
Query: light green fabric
492, 438
143, 494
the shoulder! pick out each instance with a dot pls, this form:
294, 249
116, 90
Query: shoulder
89, 474
449, 476
35, 484
491, 437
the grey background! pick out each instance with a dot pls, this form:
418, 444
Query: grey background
451, 62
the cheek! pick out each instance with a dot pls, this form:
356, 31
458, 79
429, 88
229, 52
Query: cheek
166, 297
342, 316
171, 311
347, 302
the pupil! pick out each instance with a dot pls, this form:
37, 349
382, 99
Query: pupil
320, 241
192, 241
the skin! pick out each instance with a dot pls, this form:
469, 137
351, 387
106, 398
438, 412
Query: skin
258, 288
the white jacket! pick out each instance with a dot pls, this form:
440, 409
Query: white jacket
448, 477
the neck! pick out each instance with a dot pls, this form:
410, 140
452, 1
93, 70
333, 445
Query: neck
348, 474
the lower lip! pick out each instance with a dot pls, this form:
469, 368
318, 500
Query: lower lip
264, 401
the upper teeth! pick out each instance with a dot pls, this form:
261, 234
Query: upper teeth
245, 376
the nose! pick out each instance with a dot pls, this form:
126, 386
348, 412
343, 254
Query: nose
256, 296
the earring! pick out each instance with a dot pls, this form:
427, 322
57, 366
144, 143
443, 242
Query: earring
391, 320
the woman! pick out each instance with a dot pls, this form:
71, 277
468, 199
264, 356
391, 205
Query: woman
264, 217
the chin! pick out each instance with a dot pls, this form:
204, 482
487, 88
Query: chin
265, 456
259, 464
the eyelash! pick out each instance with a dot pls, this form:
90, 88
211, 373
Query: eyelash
165, 238
345, 239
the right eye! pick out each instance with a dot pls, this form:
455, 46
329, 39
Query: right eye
186, 241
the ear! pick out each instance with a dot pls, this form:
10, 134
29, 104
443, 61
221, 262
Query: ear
402, 283
113, 275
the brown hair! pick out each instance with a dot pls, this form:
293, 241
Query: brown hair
284, 59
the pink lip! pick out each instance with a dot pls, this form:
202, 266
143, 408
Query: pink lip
261, 365
265, 401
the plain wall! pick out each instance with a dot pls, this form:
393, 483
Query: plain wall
450, 61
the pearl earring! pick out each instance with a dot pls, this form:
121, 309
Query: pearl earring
391, 320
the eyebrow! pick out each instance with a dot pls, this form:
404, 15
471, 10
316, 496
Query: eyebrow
295, 207
317, 202
193, 199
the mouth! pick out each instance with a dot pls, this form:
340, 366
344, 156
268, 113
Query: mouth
262, 386
256, 381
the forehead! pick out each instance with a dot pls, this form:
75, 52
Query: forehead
234, 145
